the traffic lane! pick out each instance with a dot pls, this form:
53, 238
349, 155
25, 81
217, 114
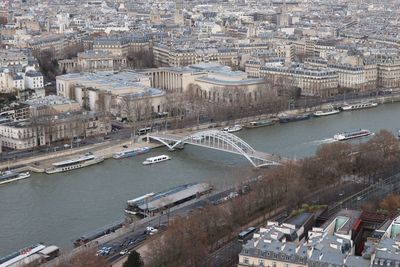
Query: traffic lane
160, 220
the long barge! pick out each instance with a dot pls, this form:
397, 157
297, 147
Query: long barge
30, 256
109, 228
152, 204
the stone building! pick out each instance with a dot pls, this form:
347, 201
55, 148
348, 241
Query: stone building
312, 82
105, 91
121, 45
281, 245
44, 130
53, 43
389, 72
92, 61
209, 80
350, 76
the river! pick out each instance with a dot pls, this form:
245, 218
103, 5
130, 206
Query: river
56, 209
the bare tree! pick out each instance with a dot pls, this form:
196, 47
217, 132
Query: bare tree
83, 258
128, 110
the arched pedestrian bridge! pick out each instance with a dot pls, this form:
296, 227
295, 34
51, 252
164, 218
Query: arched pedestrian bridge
219, 140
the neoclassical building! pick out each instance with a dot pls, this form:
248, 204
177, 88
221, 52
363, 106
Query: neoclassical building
208, 80
90, 60
107, 91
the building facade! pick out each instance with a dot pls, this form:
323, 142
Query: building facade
44, 130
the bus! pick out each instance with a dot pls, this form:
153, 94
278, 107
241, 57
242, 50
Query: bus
246, 234
143, 131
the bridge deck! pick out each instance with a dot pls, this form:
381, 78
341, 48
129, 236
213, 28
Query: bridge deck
209, 142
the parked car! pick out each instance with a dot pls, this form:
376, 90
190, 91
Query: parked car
123, 252
151, 230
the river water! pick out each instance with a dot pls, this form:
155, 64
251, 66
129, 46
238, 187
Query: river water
57, 209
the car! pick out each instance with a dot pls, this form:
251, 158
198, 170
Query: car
151, 230
123, 252
233, 195
341, 193
155, 231
125, 146
99, 252
360, 198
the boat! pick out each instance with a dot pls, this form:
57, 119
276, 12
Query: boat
12, 175
34, 255
232, 129
156, 159
131, 153
72, 164
154, 203
357, 106
291, 118
351, 135
326, 112
109, 228
260, 123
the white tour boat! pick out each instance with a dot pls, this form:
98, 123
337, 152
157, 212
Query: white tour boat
326, 112
12, 175
234, 128
156, 159
351, 135
72, 164
356, 106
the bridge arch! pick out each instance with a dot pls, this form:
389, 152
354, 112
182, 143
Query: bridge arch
217, 140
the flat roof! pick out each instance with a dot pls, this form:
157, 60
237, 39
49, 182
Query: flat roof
300, 220
49, 249
168, 199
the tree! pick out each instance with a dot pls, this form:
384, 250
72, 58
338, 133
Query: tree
48, 64
134, 260
390, 203
83, 258
140, 59
72, 50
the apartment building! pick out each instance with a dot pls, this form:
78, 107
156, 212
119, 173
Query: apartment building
349, 76
14, 57
388, 72
53, 43
15, 112
45, 130
121, 45
312, 82
283, 245
33, 80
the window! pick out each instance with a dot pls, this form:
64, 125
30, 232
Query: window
246, 260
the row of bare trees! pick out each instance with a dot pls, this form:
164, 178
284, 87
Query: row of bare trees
189, 240
137, 112
195, 105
